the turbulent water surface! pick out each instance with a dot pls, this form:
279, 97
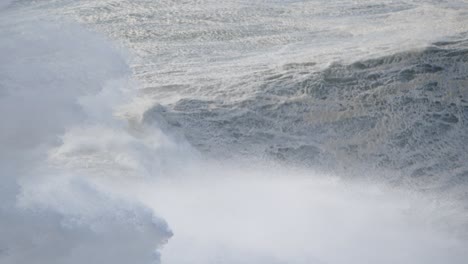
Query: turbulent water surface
263, 131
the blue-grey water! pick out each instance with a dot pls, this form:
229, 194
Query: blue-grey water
263, 131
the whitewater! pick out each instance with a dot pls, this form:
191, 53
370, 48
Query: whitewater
263, 131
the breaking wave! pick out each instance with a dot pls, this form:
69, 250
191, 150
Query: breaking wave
351, 162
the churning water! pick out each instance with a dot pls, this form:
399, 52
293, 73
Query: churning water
263, 131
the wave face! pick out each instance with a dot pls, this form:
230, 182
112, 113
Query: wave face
231, 132
405, 112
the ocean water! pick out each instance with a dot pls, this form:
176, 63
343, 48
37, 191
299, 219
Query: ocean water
263, 131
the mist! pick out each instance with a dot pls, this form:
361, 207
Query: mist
51, 213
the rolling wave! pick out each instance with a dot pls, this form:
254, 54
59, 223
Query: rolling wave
236, 132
